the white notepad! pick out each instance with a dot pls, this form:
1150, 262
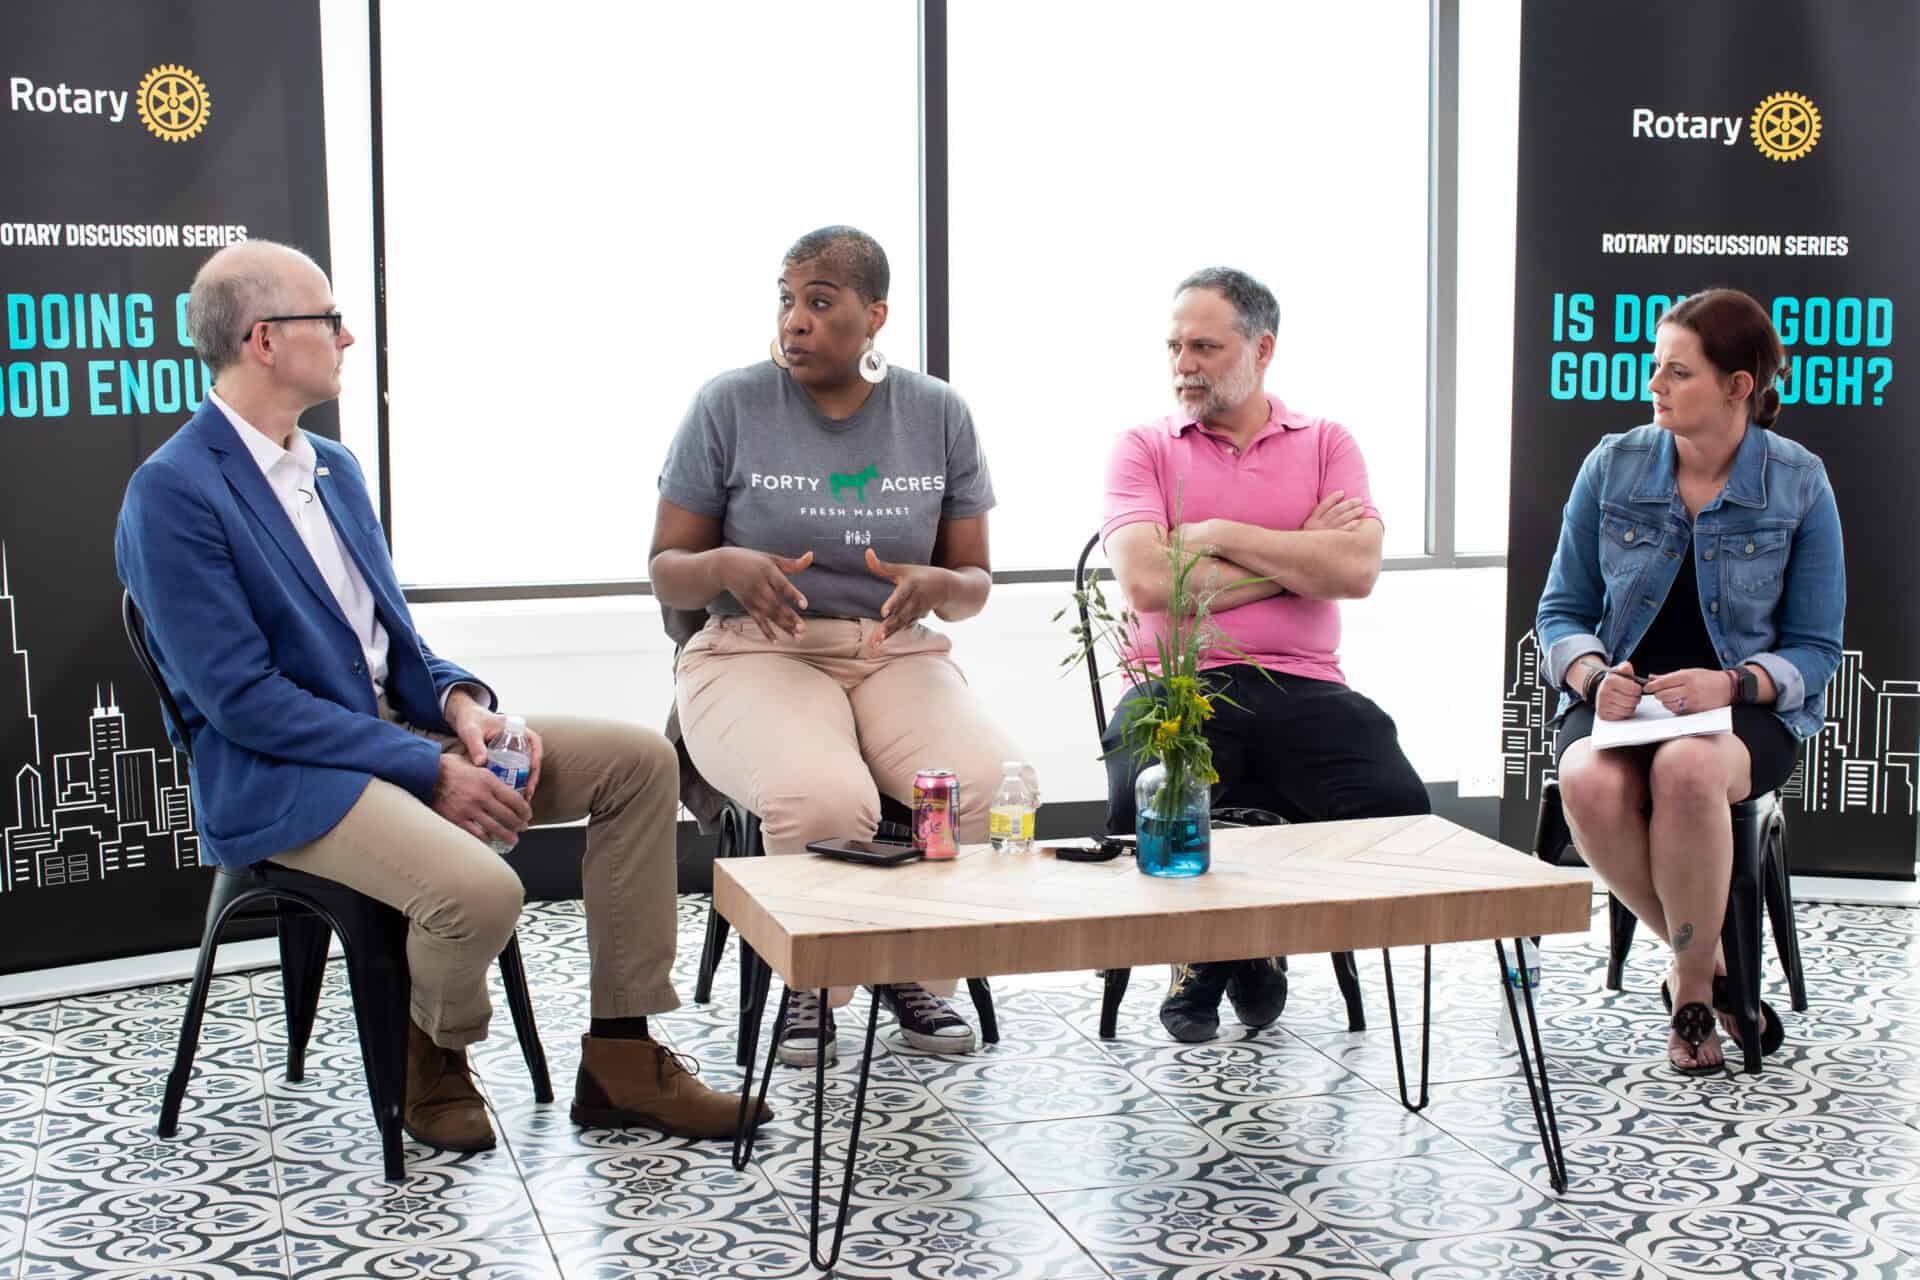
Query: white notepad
1654, 723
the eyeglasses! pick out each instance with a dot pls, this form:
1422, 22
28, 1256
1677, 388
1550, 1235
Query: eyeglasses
333, 318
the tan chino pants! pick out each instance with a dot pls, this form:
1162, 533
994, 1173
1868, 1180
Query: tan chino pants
808, 732
461, 899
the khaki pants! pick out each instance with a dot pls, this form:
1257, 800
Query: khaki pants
808, 733
461, 899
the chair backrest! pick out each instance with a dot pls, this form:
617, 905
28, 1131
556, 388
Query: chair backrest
1080, 583
137, 638
681, 625
1236, 816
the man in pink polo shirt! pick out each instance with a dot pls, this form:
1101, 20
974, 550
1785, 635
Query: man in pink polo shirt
1261, 491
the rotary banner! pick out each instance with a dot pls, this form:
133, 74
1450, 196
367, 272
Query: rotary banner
1666, 149
136, 139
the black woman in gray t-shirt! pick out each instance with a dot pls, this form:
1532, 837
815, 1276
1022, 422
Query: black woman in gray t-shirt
819, 505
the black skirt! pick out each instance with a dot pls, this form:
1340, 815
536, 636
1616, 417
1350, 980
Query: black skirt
1770, 745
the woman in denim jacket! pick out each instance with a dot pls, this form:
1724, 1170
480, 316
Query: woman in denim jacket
1700, 555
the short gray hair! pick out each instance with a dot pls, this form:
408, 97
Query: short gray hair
1255, 309
227, 297
851, 250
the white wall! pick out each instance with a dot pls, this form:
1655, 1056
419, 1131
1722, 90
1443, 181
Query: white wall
1426, 646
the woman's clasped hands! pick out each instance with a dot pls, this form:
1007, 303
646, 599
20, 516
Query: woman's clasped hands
1681, 692
1691, 690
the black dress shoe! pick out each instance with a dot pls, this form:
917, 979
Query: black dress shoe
1258, 989
1191, 1011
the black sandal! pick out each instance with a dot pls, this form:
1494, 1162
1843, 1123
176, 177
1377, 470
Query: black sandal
1694, 1023
1773, 1032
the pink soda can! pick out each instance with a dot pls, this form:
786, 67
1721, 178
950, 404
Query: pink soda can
936, 813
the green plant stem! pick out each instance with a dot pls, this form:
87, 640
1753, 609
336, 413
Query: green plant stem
1168, 801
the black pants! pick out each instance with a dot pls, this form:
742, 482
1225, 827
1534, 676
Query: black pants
1309, 750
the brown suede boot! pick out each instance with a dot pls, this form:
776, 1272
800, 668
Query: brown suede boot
638, 1082
443, 1108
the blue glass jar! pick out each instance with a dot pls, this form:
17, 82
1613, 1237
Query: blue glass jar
1173, 834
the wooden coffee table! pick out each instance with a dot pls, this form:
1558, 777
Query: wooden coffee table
1300, 889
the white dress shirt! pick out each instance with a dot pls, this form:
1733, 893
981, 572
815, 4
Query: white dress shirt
289, 473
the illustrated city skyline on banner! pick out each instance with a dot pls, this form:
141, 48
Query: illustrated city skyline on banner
1850, 766
84, 818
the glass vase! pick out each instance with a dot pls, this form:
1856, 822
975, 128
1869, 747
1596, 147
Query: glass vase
1173, 834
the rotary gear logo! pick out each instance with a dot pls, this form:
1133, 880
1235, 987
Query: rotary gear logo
173, 103
1785, 126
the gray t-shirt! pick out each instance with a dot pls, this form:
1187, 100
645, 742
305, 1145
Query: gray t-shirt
755, 453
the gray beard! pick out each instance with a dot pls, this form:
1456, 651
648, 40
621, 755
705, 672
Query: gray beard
1227, 392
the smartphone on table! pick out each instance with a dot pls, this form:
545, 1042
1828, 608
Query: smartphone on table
878, 853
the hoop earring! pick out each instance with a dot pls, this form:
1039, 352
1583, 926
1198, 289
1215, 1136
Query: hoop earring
873, 365
773, 350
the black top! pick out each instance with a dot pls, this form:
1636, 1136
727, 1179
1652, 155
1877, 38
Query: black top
1677, 638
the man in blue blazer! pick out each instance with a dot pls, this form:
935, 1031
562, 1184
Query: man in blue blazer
326, 736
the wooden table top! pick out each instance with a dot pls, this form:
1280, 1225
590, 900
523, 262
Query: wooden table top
1300, 889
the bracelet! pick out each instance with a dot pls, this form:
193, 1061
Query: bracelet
1594, 682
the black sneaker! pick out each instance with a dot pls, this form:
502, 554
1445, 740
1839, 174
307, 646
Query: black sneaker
1191, 1011
1258, 989
926, 1021
808, 1031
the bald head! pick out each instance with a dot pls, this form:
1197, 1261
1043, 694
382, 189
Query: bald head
240, 284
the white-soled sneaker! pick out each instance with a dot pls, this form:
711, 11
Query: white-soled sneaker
926, 1021
807, 1032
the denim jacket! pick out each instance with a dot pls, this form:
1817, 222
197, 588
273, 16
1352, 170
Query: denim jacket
1773, 584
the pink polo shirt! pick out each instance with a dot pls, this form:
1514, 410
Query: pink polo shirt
1285, 471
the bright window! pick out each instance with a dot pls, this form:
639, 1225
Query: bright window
1489, 170
1098, 156
343, 40
586, 207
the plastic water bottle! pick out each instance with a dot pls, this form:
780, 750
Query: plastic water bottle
509, 761
1010, 820
1522, 961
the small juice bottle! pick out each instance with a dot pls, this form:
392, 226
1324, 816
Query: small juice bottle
1010, 820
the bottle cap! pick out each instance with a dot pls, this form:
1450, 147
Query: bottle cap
1011, 766
516, 724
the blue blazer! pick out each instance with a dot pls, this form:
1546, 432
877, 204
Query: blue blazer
272, 683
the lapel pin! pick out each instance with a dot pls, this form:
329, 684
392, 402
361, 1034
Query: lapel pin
321, 471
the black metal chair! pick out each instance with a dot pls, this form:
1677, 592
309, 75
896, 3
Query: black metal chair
1760, 884
1346, 970
306, 911
740, 838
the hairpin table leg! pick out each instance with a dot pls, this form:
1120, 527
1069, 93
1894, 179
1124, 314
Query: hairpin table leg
1426, 1029
1538, 1090
748, 1125
853, 1141
753, 1001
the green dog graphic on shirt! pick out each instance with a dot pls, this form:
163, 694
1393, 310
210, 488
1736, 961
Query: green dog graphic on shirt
857, 481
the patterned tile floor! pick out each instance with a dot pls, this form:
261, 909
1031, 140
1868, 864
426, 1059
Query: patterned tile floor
1278, 1154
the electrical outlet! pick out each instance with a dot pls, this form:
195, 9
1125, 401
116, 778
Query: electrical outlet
1480, 782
